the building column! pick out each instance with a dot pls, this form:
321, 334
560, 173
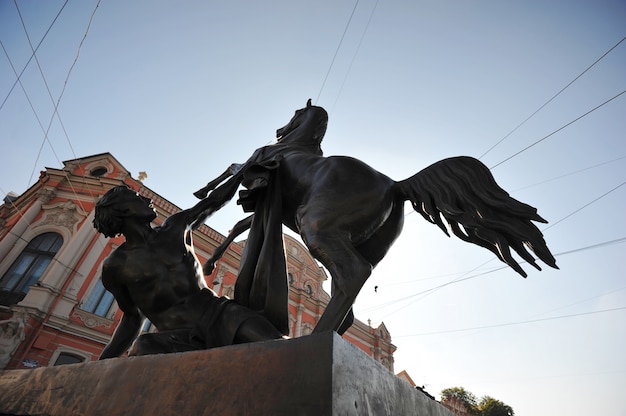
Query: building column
299, 310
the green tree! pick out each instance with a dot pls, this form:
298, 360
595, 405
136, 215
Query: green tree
467, 397
489, 406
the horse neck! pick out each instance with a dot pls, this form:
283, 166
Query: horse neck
303, 135
306, 133
306, 146
299, 136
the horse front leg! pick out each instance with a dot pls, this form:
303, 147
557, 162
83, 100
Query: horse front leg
239, 228
233, 169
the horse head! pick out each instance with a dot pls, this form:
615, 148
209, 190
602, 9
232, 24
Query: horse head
308, 125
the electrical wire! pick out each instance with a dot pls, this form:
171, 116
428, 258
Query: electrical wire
584, 206
345, 78
33, 54
583, 301
330, 67
529, 321
45, 81
495, 269
30, 103
69, 72
464, 277
553, 97
559, 129
570, 173
55, 112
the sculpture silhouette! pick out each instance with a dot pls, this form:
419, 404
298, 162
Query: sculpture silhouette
349, 215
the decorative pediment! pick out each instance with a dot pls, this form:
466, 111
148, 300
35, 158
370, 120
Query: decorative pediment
97, 166
62, 214
383, 332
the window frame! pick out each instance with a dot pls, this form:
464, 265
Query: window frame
99, 301
31, 264
70, 353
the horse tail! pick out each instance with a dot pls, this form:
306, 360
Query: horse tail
462, 191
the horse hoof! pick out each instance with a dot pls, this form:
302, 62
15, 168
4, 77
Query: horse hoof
208, 268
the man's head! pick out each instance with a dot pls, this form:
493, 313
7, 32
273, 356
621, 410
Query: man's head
116, 206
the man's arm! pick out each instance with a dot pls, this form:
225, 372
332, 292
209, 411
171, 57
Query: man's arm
230, 171
216, 200
196, 215
131, 322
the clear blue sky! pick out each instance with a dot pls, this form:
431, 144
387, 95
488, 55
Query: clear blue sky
182, 89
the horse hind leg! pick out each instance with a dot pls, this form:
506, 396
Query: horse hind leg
348, 270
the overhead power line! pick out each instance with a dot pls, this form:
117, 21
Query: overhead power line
529, 321
495, 269
58, 101
553, 97
465, 277
32, 107
43, 77
584, 206
345, 78
32, 56
571, 173
330, 67
559, 129
69, 72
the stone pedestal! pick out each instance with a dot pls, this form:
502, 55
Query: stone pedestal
313, 375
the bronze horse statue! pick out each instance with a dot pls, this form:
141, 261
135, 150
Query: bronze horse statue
349, 215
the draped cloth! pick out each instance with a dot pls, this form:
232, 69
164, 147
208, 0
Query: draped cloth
262, 280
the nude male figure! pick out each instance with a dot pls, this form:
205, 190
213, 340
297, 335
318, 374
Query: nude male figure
155, 274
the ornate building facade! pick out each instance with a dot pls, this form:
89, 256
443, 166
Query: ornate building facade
53, 307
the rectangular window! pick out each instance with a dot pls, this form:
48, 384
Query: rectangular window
99, 301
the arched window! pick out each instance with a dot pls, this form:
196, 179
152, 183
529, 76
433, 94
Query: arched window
68, 358
99, 301
28, 268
